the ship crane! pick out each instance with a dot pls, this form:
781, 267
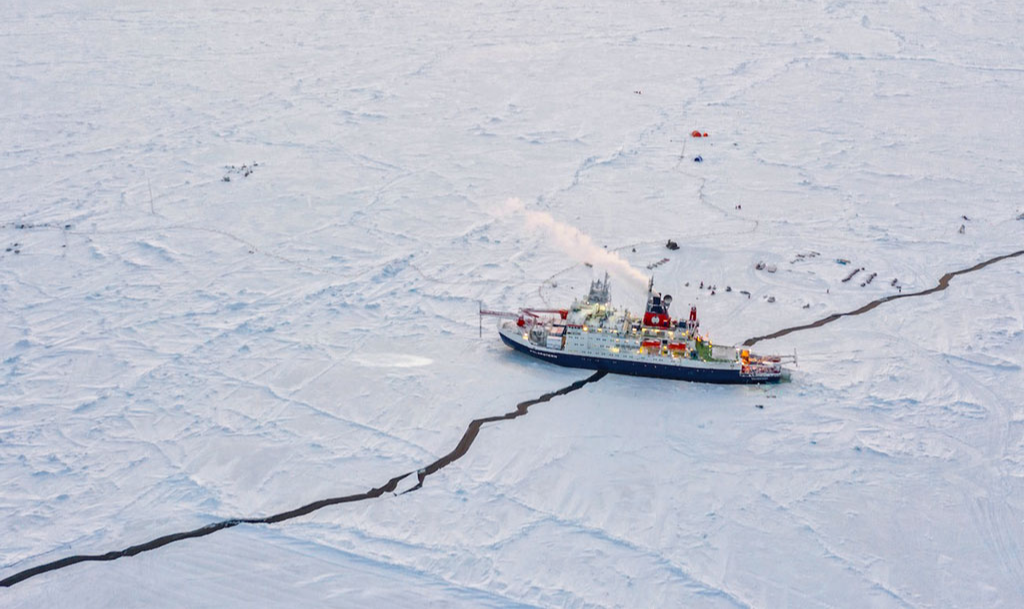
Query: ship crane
533, 313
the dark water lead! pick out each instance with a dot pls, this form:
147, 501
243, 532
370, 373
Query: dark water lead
388, 487
943, 284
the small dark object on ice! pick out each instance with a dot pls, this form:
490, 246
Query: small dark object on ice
712, 292
893, 284
634, 250
745, 292
759, 266
698, 159
771, 299
226, 179
672, 245
728, 288
962, 228
655, 265
966, 218
850, 276
807, 306
761, 406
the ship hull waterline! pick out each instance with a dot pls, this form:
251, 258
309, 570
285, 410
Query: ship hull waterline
631, 368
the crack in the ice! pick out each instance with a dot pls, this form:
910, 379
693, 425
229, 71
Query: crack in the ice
472, 430
476, 424
942, 285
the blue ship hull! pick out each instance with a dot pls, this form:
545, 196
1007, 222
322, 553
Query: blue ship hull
680, 373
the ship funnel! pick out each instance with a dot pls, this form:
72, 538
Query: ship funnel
656, 313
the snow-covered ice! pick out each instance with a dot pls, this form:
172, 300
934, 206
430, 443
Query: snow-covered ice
242, 249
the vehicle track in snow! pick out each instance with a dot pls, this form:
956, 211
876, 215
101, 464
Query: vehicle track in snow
468, 437
942, 285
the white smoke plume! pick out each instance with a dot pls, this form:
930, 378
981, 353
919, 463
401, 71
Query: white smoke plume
580, 246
